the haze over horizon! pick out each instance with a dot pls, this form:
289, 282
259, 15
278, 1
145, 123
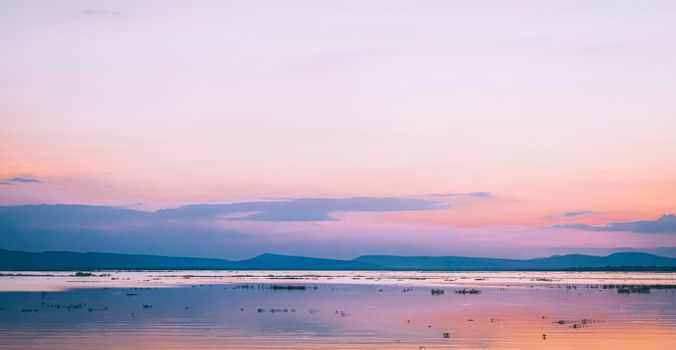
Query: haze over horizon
231, 129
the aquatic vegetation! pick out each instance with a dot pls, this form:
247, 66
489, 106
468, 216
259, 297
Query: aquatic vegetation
277, 287
342, 313
249, 286
94, 309
468, 291
437, 292
633, 289
83, 274
278, 310
577, 323
76, 306
636, 288
246, 286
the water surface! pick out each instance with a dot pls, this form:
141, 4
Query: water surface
341, 310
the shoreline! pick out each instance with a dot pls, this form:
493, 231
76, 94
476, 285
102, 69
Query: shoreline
38, 281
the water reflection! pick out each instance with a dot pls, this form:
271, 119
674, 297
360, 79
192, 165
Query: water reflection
339, 316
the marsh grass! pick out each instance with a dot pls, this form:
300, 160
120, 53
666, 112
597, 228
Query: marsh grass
468, 291
636, 288
289, 288
83, 274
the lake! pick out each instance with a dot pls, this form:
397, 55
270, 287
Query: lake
337, 310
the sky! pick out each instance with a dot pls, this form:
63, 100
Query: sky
339, 128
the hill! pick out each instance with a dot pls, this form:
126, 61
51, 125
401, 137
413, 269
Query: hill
556, 262
16, 260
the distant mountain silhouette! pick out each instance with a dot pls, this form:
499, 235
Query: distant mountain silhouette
285, 262
16, 260
556, 262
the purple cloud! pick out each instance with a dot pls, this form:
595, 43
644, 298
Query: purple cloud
665, 224
573, 214
19, 180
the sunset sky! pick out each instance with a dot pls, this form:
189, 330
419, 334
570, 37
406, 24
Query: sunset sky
340, 128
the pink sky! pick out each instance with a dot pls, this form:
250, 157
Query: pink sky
553, 107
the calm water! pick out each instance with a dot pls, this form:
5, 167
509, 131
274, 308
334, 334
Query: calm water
342, 310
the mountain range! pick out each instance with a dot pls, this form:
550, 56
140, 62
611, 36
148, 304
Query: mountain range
11, 260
